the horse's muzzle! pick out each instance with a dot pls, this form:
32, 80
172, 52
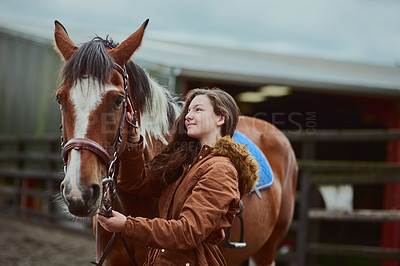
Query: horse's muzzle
84, 205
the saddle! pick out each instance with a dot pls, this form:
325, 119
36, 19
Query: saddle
265, 174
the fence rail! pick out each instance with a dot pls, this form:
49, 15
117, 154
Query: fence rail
358, 215
345, 135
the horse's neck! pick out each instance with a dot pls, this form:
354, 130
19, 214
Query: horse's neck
153, 148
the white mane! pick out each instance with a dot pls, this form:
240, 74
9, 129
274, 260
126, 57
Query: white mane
154, 119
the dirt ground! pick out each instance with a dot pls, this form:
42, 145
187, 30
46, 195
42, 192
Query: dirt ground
27, 243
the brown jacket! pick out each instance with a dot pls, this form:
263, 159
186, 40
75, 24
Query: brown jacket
195, 208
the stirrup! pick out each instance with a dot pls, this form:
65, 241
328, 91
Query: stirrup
241, 243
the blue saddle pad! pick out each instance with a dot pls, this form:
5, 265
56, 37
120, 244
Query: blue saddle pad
265, 175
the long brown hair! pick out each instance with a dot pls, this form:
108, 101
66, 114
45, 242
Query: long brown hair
182, 150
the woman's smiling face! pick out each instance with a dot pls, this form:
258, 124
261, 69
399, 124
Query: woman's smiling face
201, 121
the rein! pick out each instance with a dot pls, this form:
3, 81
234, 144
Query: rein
109, 190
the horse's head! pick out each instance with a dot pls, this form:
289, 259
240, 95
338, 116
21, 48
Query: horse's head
94, 100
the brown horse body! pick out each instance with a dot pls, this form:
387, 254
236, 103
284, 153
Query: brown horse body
266, 220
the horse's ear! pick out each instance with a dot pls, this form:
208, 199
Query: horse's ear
64, 45
123, 52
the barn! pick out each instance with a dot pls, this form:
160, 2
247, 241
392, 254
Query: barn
333, 111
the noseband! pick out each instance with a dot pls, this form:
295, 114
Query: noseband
109, 192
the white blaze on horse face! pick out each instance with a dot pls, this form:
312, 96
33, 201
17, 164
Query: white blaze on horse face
86, 97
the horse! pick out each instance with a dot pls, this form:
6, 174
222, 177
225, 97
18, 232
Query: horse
100, 86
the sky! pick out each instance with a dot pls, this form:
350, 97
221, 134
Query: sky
365, 31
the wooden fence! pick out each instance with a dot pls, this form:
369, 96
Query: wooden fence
30, 175
31, 171
316, 172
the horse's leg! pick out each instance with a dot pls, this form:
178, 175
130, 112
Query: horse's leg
266, 255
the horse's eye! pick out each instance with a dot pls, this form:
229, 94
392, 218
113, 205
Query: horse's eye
59, 102
118, 102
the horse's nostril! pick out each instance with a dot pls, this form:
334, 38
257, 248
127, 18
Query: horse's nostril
96, 191
91, 194
63, 192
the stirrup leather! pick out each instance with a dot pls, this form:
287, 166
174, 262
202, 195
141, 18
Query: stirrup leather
241, 243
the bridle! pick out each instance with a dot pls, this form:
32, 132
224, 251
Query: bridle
96, 148
108, 182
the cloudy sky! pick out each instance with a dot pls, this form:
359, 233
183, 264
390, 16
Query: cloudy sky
351, 30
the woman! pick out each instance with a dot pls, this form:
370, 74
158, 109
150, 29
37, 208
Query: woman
199, 177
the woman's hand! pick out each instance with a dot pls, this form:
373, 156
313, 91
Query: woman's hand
116, 223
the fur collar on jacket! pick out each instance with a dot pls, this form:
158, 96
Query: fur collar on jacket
245, 164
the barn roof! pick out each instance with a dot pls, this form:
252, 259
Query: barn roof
213, 62
254, 67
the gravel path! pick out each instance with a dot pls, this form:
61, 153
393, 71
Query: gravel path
27, 243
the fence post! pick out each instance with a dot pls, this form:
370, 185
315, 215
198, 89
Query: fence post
302, 234
307, 153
